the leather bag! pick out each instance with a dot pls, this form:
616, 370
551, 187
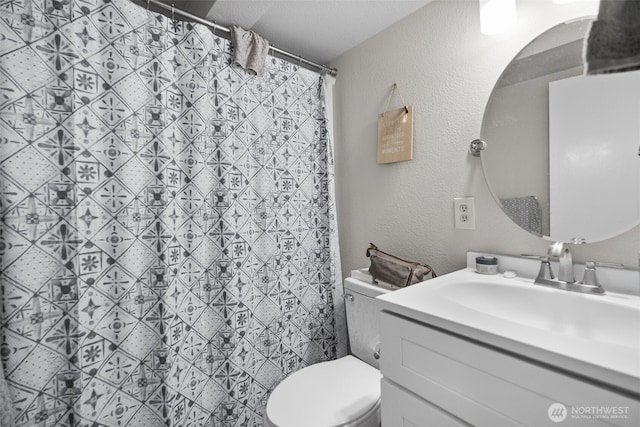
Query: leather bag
395, 270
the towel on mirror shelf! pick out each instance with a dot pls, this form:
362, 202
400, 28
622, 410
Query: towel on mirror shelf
613, 42
524, 211
250, 50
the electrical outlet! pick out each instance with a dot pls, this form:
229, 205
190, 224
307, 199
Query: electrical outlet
464, 213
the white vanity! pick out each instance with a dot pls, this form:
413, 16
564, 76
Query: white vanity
470, 349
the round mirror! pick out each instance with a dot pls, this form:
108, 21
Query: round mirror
562, 154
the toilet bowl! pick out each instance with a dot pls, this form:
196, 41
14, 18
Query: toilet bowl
343, 392
338, 393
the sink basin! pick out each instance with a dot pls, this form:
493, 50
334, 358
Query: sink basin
612, 318
597, 336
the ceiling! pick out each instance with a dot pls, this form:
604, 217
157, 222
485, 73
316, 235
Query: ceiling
317, 30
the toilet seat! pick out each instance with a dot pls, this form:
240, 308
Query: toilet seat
338, 393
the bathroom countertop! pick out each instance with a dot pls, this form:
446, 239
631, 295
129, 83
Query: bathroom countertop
616, 364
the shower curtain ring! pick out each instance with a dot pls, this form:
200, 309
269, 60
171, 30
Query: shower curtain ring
148, 1
173, 12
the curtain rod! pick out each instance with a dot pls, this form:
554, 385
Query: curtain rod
215, 26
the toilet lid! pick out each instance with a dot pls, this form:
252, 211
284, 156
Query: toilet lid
325, 394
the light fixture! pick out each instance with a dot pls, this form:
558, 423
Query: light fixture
497, 16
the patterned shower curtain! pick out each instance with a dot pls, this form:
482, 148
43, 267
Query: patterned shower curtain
167, 244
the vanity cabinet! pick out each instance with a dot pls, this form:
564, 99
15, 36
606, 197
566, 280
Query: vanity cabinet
432, 377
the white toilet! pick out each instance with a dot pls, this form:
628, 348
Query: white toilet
338, 393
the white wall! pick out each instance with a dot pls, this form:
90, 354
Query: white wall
446, 69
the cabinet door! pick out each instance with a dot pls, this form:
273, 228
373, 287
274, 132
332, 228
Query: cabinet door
489, 388
403, 409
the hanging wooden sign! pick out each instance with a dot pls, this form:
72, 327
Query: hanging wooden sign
395, 135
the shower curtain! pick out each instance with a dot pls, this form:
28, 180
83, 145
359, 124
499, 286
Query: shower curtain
168, 246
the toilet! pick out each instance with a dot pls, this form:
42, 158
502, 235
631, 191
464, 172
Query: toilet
338, 393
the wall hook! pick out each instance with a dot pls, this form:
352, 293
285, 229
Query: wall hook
476, 147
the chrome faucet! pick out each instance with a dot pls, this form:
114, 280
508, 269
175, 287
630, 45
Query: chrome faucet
566, 279
565, 271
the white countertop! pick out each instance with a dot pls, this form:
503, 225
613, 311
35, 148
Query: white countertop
614, 361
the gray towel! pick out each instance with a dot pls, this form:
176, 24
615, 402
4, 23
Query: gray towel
613, 43
250, 50
524, 211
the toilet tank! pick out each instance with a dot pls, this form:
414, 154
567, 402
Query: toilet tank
362, 318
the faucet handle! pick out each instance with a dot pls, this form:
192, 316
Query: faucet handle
545, 272
590, 277
533, 256
606, 264
590, 280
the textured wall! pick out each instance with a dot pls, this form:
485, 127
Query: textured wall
446, 69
